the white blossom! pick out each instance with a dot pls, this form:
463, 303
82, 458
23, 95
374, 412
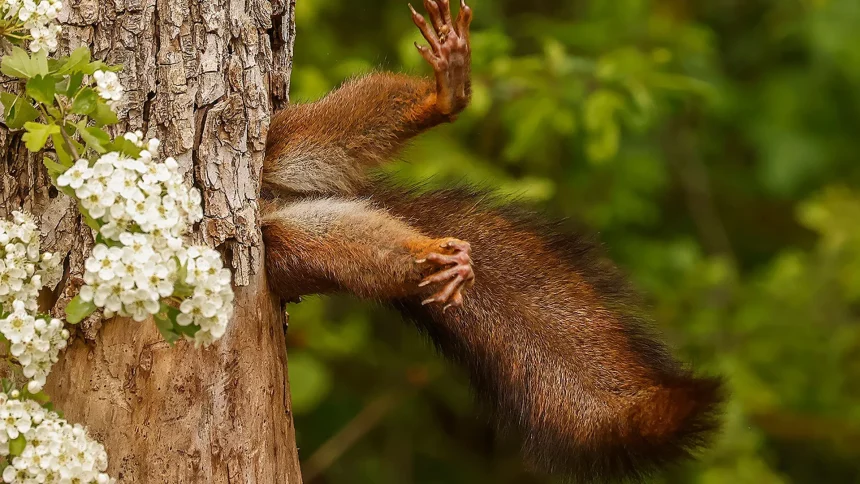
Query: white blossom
129, 280
124, 192
75, 176
211, 305
35, 342
108, 86
23, 269
55, 451
145, 208
37, 18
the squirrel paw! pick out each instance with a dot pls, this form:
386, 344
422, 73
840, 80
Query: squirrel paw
449, 53
455, 271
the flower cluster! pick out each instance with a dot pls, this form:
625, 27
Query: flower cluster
135, 194
108, 86
211, 304
37, 18
35, 343
144, 208
54, 451
23, 269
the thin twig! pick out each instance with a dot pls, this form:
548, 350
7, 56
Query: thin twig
695, 182
68, 143
336, 446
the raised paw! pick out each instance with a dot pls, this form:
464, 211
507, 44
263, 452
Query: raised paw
454, 271
449, 53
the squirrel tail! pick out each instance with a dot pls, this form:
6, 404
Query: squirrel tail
555, 346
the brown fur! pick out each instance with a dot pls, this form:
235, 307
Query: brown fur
331, 145
554, 344
550, 336
336, 244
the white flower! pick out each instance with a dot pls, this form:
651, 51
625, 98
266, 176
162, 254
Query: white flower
211, 306
145, 208
44, 37
55, 450
23, 270
36, 17
28, 8
18, 326
108, 295
35, 343
75, 176
104, 261
108, 86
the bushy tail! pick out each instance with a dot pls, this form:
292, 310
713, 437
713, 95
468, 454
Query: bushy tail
554, 347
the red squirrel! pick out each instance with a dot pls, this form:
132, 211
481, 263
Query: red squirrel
542, 323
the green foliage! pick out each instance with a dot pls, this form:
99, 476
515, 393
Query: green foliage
37, 135
16, 445
61, 99
77, 310
42, 89
712, 145
19, 111
165, 320
21, 65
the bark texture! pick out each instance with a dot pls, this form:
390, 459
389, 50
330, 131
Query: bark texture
202, 77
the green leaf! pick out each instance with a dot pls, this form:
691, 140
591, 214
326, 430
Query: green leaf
76, 62
54, 169
88, 219
66, 158
16, 446
40, 397
18, 110
19, 64
42, 88
104, 115
78, 310
189, 330
37, 135
165, 321
100, 239
63, 156
54, 112
85, 102
40, 62
90, 68
95, 138
74, 83
125, 147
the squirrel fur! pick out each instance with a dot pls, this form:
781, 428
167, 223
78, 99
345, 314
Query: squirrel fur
544, 325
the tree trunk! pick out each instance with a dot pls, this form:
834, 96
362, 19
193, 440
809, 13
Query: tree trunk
202, 77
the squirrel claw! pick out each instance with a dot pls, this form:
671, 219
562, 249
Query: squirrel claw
456, 273
449, 52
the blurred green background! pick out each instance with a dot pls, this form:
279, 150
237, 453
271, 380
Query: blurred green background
712, 144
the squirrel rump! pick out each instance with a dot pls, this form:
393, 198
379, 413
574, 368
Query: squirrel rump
544, 325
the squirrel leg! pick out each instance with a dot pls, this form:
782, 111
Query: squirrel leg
325, 147
338, 245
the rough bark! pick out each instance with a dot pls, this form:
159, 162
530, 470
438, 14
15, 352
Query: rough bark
202, 77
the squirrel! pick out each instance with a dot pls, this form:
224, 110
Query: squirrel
551, 339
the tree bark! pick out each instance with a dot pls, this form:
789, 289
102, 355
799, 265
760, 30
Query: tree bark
202, 77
